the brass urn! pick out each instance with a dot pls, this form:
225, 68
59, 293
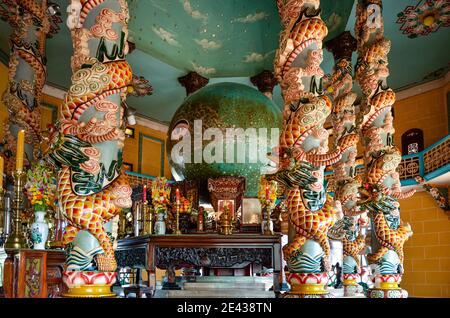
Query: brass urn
226, 222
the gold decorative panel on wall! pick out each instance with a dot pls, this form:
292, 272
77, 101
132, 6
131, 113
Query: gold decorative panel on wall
151, 155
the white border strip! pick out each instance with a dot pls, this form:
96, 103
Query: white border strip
53, 91
152, 124
423, 88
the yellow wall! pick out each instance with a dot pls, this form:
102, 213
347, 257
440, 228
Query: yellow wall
427, 111
148, 144
50, 104
427, 252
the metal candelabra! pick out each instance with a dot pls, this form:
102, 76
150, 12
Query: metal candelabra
2, 218
148, 219
177, 230
16, 239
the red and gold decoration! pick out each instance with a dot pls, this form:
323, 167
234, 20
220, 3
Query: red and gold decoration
160, 194
426, 17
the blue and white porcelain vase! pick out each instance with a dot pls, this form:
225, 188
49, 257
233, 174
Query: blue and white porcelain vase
39, 231
160, 224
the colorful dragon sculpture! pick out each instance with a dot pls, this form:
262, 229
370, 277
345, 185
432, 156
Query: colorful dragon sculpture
381, 185
345, 182
87, 149
31, 26
303, 150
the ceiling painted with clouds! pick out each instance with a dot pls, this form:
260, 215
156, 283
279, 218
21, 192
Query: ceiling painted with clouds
219, 38
239, 42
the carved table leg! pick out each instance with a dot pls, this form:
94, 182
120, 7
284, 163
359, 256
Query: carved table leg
151, 281
8, 277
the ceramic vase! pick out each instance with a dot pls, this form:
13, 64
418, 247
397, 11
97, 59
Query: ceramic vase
160, 224
263, 226
39, 231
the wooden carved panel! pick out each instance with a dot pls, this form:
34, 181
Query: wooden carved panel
32, 274
212, 257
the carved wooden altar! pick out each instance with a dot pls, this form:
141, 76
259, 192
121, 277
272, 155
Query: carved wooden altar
202, 250
33, 273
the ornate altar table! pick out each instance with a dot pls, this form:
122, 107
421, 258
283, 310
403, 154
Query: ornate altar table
204, 250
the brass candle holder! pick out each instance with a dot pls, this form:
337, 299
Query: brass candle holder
16, 239
177, 229
226, 222
2, 217
148, 219
267, 229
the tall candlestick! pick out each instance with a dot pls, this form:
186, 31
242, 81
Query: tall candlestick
145, 193
177, 229
7, 224
16, 239
1, 171
20, 150
177, 195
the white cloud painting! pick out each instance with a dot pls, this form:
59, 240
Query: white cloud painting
208, 45
203, 70
166, 36
195, 14
252, 18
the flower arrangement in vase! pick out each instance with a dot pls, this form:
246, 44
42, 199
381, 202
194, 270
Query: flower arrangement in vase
160, 199
267, 196
267, 193
40, 190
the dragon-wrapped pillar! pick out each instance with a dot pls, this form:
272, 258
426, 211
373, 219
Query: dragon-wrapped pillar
87, 146
381, 188
345, 182
31, 22
303, 150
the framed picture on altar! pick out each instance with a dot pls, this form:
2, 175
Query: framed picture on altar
251, 211
251, 215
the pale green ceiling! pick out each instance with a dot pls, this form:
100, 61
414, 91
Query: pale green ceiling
219, 38
229, 24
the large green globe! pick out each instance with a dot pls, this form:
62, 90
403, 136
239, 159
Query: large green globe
226, 107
